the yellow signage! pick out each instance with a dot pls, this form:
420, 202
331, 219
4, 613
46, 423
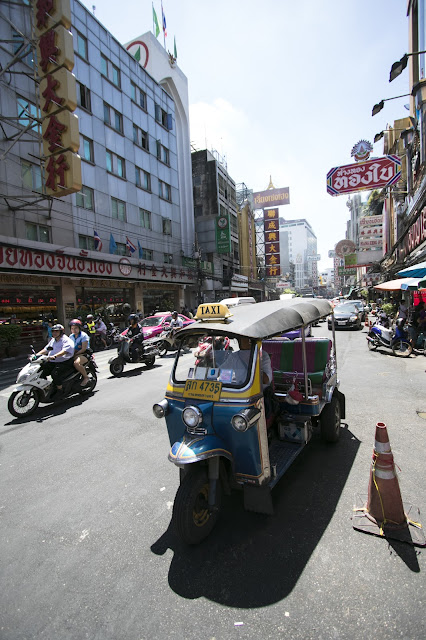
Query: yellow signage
60, 133
212, 312
58, 91
50, 14
63, 174
202, 390
55, 49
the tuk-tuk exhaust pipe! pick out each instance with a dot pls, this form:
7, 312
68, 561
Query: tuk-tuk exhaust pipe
214, 464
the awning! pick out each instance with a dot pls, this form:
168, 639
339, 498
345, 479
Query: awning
415, 271
403, 284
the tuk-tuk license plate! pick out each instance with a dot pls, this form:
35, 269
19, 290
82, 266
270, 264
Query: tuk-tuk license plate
202, 390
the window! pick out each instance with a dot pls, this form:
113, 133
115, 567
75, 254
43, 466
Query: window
115, 164
164, 190
31, 175
113, 118
27, 112
118, 210
167, 227
121, 249
86, 149
83, 97
163, 153
86, 242
145, 218
146, 254
168, 258
24, 48
138, 95
37, 232
85, 199
164, 118
140, 138
110, 71
81, 45
143, 179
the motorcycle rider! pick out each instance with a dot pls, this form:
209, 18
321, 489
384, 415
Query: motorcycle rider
60, 350
101, 330
135, 331
177, 322
91, 329
81, 342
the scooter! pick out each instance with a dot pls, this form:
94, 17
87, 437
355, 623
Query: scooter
167, 341
398, 341
146, 354
34, 387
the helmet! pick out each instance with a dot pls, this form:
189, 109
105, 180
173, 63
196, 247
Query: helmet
174, 314
58, 327
400, 323
89, 317
75, 321
133, 317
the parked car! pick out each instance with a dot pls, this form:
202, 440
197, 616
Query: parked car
156, 324
360, 306
297, 333
346, 316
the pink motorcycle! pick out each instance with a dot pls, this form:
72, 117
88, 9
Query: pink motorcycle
203, 353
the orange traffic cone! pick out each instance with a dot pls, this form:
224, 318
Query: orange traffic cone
366, 321
383, 513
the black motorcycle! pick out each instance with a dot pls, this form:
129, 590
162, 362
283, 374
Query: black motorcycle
34, 386
146, 353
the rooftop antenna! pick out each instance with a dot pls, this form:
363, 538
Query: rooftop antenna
93, 9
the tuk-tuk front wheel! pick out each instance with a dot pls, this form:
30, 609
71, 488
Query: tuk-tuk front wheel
191, 514
330, 421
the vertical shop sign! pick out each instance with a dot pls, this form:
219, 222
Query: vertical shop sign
60, 133
223, 236
271, 225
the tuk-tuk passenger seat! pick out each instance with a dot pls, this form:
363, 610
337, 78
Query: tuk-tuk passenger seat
287, 362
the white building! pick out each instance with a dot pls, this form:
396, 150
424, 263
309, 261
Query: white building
297, 242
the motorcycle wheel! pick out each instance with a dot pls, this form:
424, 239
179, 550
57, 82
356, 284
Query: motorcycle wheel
372, 346
162, 348
108, 340
23, 403
116, 368
402, 349
84, 391
191, 515
149, 362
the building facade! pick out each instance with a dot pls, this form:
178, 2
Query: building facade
298, 246
117, 244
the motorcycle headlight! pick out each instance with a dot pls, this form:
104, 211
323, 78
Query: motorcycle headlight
22, 377
192, 416
160, 409
353, 318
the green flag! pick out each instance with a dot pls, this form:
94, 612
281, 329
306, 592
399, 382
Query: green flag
137, 55
155, 20
175, 49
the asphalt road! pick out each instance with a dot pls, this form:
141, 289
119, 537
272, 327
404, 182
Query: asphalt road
87, 550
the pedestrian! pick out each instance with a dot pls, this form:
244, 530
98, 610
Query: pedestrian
402, 312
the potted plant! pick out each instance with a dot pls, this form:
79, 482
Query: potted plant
9, 337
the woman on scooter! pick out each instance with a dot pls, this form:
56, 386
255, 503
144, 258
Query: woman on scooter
81, 342
134, 331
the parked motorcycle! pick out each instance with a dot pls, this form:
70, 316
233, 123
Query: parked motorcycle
146, 354
34, 387
398, 341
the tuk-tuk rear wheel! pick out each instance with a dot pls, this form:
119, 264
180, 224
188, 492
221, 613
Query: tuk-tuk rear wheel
192, 518
330, 421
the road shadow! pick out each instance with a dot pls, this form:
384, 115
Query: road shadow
46, 412
251, 560
130, 373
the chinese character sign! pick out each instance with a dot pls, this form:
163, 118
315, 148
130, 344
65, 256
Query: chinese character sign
60, 133
271, 228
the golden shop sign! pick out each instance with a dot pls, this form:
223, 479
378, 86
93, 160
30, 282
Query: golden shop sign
60, 133
271, 198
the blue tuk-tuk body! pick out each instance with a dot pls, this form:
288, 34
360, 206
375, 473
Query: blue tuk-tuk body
226, 430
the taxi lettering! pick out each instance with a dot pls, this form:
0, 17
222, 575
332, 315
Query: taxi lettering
213, 309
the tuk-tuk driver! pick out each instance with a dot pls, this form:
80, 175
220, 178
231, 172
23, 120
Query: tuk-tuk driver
239, 361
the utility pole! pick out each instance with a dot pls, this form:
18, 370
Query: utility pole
197, 256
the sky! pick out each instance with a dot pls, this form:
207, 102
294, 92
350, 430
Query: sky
281, 88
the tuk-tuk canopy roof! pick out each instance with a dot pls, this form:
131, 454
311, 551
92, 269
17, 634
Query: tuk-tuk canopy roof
265, 319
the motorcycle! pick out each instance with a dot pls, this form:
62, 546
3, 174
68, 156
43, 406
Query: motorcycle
167, 341
398, 341
113, 332
34, 387
146, 354
203, 353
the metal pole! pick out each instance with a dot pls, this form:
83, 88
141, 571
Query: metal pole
305, 365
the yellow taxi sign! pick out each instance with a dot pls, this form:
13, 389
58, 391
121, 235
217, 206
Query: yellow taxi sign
212, 311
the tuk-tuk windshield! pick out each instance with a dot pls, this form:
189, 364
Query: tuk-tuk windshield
216, 358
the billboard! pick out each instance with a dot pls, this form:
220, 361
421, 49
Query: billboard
223, 235
373, 174
271, 198
271, 226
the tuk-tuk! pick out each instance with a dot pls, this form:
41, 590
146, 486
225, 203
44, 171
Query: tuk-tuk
239, 417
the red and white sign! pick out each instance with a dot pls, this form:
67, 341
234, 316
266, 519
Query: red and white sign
373, 174
368, 241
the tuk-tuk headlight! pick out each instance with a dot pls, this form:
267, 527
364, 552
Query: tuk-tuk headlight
192, 416
160, 409
245, 419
